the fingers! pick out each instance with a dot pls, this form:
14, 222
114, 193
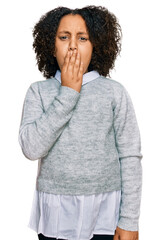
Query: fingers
80, 73
66, 61
73, 64
72, 61
78, 67
77, 64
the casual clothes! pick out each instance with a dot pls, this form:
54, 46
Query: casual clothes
75, 217
87, 143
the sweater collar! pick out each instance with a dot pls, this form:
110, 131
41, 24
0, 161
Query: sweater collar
87, 77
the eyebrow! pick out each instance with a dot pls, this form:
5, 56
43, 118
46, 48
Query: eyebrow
70, 33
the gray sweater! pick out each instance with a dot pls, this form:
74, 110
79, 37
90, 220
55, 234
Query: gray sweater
86, 143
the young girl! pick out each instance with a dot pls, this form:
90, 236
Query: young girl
82, 128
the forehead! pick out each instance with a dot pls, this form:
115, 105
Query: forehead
72, 22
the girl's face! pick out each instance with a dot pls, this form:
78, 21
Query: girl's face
72, 34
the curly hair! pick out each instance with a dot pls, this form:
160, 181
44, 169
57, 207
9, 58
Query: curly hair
104, 33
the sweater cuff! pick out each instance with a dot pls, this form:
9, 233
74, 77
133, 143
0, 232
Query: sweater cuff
69, 93
128, 224
68, 97
65, 101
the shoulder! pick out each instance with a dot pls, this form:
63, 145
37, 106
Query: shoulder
117, 87
42, 87
45, 84
119, 92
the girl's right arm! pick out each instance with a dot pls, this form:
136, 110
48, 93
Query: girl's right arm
40, 129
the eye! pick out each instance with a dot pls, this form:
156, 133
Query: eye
83, 39
63, 37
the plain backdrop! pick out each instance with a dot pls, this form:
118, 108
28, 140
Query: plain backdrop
138, 69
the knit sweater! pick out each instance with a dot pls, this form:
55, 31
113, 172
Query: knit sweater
87, 142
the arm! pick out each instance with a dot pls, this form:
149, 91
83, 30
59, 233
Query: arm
40, 129
129, 147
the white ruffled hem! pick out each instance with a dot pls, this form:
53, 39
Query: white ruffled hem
75, 217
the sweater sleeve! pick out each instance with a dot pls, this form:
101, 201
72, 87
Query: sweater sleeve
129, 149
40, 129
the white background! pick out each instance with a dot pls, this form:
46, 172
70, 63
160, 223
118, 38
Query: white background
138, 69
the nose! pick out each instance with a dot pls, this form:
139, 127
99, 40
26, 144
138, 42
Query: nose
72, 44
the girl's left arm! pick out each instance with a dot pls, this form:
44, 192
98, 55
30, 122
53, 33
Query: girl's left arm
128, 144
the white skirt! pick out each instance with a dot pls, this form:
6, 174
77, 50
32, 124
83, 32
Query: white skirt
75, 217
